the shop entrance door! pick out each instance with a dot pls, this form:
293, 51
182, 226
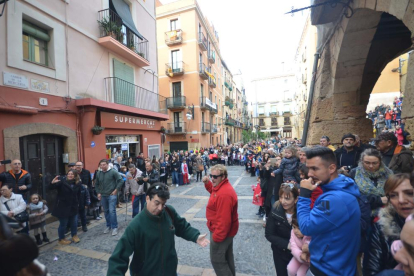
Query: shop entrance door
177, 146
41, 156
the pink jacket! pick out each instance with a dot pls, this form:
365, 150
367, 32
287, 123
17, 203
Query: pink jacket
296, 245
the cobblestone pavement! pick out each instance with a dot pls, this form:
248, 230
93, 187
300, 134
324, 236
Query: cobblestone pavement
252, 252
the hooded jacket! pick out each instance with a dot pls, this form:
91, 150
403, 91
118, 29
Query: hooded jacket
402, 161
334, 225
24, 179
221, 211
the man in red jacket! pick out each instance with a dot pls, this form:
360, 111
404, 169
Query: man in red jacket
222, 220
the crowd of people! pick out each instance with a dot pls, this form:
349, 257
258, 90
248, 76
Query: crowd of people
325, 210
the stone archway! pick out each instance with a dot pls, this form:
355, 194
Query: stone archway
351, 64
12, 135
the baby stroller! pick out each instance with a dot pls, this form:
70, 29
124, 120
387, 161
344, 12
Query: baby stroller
214, 160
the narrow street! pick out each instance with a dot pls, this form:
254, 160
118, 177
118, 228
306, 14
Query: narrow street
252, 252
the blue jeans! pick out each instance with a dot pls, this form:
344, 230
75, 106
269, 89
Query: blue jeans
175, 177
109, 205
388, 123
135, 205
63, 223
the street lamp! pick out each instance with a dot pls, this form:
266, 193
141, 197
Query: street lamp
4, 2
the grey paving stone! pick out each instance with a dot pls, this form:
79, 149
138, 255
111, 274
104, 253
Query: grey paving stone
198, 191
244, 191
69, 264
181, 205
248, 181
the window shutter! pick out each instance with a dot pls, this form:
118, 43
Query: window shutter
35, 31
124, 90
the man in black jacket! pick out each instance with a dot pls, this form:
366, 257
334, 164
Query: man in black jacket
141, 162
347, 157
84, 175
86, 179
20, 180
150, 176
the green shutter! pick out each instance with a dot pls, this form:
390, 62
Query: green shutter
35, 31
124, 88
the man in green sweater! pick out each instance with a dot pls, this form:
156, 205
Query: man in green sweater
150, 237
107, 183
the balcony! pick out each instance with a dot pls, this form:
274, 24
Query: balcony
202, 71
212, 57
176, 128
203, 104
213, 110
122, 92
174, 69
274, 113
202, 41
227, 83
174, 37
121, 40
176, 103
238, 124
229, 122
212, 82
205, 128
214, 128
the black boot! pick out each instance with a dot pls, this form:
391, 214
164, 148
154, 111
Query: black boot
45, 239
38, 240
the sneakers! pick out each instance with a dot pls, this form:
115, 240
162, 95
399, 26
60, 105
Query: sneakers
114, 231
64, 242
176, 185
106, 231
75, 239
84, 228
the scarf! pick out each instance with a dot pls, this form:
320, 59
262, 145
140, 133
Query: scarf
365, 183
38, 206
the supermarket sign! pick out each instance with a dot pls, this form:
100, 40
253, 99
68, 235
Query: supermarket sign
113, 120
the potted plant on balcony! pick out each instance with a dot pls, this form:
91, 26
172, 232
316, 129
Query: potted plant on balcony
162, 130
96, 130
109, 27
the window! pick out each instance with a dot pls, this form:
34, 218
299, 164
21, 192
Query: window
211, 96
176, 61
154, 150
202, 91
176, 87
287, 133
287, 121
261, 122
274, 121
174, 24
35, 42
261, 110
273, 109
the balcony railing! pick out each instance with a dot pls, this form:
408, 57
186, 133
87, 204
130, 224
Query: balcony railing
202, 41
212, 56
203, 104
274, 113
122, 40
173, 37
202, 71
213, 110
126, 93
176, 128
174, 69
229, 122
238, 124
176, 102
211, 82
205, 127
214, 128
227, 83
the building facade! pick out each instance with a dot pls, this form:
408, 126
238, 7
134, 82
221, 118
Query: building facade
74, 88
273, 107
194, 79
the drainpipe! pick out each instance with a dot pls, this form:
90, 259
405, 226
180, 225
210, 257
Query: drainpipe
310, 99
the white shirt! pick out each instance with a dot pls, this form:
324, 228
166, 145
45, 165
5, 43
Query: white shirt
15, 202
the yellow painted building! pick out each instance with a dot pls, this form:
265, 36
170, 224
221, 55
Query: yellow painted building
194, 78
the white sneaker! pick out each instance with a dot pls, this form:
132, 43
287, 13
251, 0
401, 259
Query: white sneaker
176, 185
114, 231
107, 229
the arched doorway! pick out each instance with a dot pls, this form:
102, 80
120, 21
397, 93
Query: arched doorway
350, 65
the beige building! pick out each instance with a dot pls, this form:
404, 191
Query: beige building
273, 106
194, 79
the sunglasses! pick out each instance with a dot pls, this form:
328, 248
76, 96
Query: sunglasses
216, 176
290, 185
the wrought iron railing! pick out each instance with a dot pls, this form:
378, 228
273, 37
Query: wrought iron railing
205, 127
110, 24
202, 41
176, 128
175, 68
122, 92
176, 102
174, 37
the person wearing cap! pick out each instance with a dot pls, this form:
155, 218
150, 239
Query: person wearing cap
150, 238
348, 155
326, 142
397, 158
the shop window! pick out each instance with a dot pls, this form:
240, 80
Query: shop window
35, 42
154, 150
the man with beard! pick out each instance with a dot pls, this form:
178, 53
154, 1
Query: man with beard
334, 222
347, 157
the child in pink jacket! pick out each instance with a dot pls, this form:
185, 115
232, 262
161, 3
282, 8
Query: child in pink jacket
297, 265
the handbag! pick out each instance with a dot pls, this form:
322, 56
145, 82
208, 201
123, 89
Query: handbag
21, 217
200, 167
